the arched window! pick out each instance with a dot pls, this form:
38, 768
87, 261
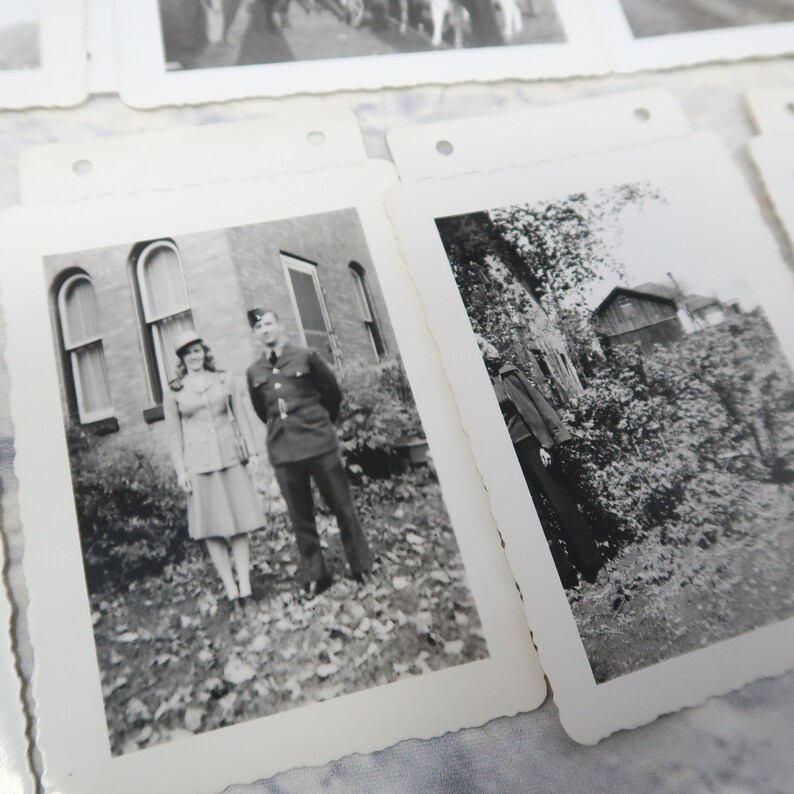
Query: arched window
82, 344
165, 310
366, 310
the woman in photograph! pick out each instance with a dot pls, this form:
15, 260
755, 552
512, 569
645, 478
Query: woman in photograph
209, 435
535, 429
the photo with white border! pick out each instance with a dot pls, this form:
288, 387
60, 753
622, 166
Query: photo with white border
42, 54
71, 719
627, 626
658, 34
172, 52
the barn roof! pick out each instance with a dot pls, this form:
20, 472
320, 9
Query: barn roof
647, 291
659, 290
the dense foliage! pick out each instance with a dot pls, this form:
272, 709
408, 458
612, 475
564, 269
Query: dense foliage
677, 441
377, 413
507, 260
131, 516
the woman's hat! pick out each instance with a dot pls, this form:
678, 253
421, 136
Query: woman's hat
185, 338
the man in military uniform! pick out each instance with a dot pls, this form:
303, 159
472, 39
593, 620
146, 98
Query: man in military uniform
295, 393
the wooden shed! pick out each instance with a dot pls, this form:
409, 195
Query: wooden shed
647, 315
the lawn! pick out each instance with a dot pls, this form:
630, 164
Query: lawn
660, 600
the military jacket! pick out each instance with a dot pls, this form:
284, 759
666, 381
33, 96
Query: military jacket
298, 399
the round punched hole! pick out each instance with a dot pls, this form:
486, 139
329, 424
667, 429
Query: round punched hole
445, 148
316, 138
642, 114
790, 107
82, 167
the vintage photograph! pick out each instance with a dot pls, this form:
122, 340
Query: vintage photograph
260, 519
650, 408
19, 35
664, 17
220, 33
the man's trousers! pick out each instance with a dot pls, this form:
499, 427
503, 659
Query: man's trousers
567, 523
327, 471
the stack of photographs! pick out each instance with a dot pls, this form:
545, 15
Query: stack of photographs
171, 52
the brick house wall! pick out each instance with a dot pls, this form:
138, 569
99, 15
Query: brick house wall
226, 272
331, 241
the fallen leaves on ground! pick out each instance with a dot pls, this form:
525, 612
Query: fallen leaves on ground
177, 659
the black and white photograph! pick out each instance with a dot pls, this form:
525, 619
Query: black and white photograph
643, 34
260, 518
650, 409
221, 33
665, 17
42, 53
19, 35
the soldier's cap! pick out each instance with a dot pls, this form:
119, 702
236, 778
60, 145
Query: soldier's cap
255, 315
184, 339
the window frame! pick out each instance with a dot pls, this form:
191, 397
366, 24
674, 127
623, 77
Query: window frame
151, 338
368, 315
71, 350
292, 262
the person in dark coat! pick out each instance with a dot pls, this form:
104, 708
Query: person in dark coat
296, 394
536, 430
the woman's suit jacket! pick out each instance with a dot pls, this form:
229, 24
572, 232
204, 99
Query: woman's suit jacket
201, 434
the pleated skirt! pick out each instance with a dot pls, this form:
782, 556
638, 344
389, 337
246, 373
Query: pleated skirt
223, 504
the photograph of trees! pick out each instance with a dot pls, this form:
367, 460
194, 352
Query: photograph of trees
680, 403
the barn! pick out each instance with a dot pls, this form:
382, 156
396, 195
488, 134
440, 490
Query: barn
655, 314
647, 315
115, 311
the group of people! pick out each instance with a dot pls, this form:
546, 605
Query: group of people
214, 452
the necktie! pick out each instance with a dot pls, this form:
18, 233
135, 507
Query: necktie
272, 358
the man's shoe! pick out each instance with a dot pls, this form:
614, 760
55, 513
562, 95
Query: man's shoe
318, 586
362, 577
